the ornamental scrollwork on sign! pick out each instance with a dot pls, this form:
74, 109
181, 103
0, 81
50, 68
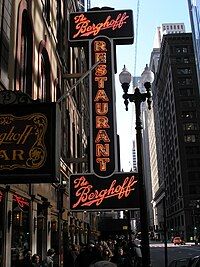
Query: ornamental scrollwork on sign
22, 142
8, 97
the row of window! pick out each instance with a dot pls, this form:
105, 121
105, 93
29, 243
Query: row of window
184, 60
173, 26
184, 71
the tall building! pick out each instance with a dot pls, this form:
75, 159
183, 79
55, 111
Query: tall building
154, 132
194, 11
36, 60
167, 28
155, 149
176, 91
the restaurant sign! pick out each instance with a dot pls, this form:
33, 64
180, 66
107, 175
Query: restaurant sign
103, 128
89, 192
29, 143
114, 24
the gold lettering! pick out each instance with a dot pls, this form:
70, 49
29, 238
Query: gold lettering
16, 137
9, 136
2, 137
12, 136
25, 134
102, 162
101, 108
100, 57
102, 150
102, 122
102, 136
101, 81
100, 46
100, 70
18, 153
101, 96
4, 155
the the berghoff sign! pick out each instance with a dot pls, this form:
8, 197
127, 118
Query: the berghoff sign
103, 188
29, 143
114, 24
22, 141
89, 192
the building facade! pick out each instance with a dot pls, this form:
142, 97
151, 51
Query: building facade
36, 59
176, 90
167, 28
194, 11
155, 149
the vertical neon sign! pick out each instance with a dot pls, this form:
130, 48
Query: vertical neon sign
103, 120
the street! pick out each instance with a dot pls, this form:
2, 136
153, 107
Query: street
173, 252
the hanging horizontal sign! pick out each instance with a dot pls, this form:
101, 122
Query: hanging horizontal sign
29, 143
114, 24
89, 192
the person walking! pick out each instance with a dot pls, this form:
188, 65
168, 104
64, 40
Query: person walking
87, 256
48, 262
121, 259
36, 261
27, 259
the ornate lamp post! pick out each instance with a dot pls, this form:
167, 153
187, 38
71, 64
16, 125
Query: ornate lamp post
147, 78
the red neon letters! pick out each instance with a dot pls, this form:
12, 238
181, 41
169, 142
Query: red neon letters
87, 195
85, 27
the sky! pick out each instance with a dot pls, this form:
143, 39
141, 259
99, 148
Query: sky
148, 15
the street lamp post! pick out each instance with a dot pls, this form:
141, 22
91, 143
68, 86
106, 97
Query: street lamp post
137, 97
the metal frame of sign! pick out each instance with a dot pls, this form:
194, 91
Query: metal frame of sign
89, 192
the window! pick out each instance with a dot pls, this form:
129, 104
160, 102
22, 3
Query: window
186, 91
190, 138
193, 175
181, 49
190, 126
194, 189
59, 29
184, 81
188, 114
183, 71
192, 150
44, 76
191, 163
186, 60
188, 103
26, 55
5, 23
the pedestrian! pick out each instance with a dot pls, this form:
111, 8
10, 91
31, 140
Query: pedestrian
48, 261
87, 256
27, 259
36, 261
121, 259
68, 257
